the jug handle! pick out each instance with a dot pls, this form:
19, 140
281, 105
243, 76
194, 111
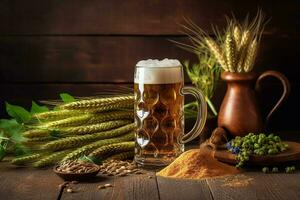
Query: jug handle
286, 89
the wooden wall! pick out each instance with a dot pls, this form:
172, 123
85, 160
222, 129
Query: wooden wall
80, 46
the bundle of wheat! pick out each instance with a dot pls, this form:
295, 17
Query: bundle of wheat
235, 49
100, 128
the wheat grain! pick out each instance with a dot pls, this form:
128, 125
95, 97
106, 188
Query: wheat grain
78, 141
38, 139
57, 114
104, 151
89, 129
51, 159
87, 149
237, 36
217, 52
36, 133
243, 50
250, 57
68, 122
26, 159
245, 38
230, 52
90, 119
121, 156
115, 106
96, 103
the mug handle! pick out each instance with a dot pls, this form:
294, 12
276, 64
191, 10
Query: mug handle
286, 89
201, 117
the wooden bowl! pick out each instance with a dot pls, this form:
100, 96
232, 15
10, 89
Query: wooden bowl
290, 155
76, 176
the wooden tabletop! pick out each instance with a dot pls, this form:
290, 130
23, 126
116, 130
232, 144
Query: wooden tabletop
28, 183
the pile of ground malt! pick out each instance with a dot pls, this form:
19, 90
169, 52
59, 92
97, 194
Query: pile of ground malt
197, 164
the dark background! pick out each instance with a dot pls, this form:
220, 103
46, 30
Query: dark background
83, 46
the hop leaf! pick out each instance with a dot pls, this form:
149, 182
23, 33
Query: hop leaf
67, 98
18, 112
35, 108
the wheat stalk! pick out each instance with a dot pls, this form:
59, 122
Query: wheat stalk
217, 52
51, 159
245, 38
36, 133
89, 129
26, 159
38, 139
87, 149
230, 52
96, 103
89, 119
104, 151
237, 36
68, 122
56, 114
251, 55
122, 156
78, 141
243, 50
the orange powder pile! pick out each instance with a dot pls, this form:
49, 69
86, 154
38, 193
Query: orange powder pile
197, 164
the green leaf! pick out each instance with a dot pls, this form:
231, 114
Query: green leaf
35, 108
67, 98
10, 125
2, 152
18, 112
90, 159
11, 129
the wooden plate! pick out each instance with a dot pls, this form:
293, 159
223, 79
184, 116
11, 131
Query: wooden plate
76, 176
292, 154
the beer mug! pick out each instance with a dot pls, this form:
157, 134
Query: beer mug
159, 112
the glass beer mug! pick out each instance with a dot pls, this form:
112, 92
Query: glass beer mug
159, 113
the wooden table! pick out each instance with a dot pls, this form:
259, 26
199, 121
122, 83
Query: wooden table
28, 183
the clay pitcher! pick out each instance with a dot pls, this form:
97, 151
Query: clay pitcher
239, 113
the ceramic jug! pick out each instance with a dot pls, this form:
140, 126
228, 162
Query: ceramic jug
240, 113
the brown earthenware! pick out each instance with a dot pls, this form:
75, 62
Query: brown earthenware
239, 113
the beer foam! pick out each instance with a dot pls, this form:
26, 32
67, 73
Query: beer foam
153, 71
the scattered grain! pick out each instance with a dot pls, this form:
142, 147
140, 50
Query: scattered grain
107, 185
119, 168
101, 187
69, 190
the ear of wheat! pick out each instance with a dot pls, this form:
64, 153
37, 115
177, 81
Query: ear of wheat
235, 49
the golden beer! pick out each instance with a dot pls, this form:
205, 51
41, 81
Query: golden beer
159, 114
159, 120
